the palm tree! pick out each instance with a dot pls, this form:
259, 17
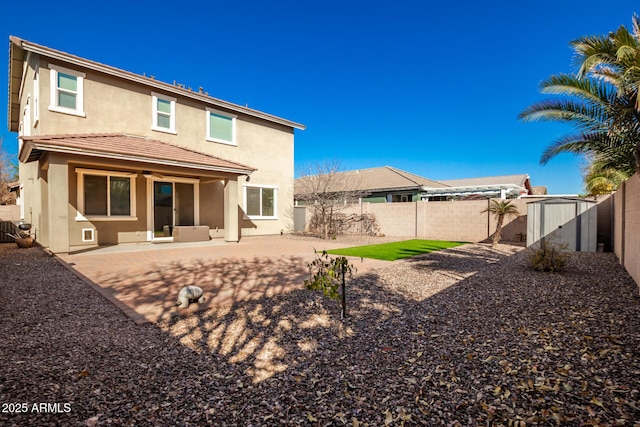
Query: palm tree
602, 180
600, 101
501, 209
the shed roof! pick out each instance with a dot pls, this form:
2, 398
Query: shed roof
562, 200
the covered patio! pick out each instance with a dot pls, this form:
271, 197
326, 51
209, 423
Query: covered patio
115, 188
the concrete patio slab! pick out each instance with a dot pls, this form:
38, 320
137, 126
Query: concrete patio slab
144, 279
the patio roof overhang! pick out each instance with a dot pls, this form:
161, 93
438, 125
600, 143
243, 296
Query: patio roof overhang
486, 190
127, 148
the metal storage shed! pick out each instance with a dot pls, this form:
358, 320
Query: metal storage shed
565, 220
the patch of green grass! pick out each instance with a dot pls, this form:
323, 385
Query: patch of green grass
396, 250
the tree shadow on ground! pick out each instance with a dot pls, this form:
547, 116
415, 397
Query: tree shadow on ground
466, 335
153, 291
462, 260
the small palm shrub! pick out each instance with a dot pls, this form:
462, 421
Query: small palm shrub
550, 256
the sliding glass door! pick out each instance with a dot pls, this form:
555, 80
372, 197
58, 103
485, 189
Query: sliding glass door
173, 204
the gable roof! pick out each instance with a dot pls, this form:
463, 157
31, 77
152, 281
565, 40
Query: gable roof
17, 54
385, 178
126, 147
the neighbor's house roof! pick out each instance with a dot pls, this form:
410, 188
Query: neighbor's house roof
538, 190
18, 49
129, 148
381, 179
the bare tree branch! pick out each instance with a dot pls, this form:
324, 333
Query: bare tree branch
326, 189
7, 175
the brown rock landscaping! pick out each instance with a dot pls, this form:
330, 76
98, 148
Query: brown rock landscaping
465, 336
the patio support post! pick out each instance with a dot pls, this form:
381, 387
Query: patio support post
231, 233
58, 200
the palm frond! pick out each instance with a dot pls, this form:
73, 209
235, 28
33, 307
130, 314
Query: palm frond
568, 84
575, 144
583, 116
590, 51
600, 101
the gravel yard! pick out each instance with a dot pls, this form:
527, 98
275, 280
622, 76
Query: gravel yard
466, 336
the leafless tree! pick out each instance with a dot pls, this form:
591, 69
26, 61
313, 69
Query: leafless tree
326, 189
7, 175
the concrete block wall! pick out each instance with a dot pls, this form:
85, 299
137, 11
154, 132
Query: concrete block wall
627, 226
395, 219
457, 221
9, 212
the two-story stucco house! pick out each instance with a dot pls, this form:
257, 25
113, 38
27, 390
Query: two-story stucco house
110, 157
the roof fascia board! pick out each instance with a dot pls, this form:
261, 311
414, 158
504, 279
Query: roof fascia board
386, 190
24, 74
14, 113
28, 147
61, 56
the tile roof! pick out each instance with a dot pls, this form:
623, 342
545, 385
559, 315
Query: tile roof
127, 147
539, 190
376, 179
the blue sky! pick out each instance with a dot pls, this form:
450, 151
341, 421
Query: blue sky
434, 89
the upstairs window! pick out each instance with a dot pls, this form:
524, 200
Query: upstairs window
221, 127
164, 113
67, 91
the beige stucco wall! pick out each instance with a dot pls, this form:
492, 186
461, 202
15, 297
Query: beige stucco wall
113, 105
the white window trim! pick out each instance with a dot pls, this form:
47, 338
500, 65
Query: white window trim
172, 118
36, 96
26, 117
233, 118
173, 179
275, 201
92, 233
80, 216
53, 98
